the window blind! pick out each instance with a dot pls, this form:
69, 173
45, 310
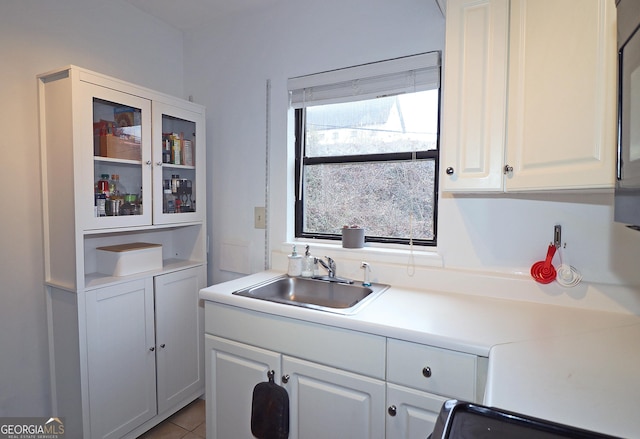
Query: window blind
396, 76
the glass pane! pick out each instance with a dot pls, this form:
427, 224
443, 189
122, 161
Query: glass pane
402, 123
117, 159
178, 170
388, 199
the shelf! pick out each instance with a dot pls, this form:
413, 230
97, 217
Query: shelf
99, 158
146, 228
99, 280
171, 165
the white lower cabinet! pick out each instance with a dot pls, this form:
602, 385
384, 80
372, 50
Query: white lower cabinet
326, 402
179, 344
121, 358
410, 412
421, 378
127, 355
233, 370
341, 383
323, 401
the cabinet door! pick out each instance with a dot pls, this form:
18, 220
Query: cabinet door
331, 403
233, 370
179, 159
179, 330
121, 358
411, 414
475, 87
562, 95
114, 133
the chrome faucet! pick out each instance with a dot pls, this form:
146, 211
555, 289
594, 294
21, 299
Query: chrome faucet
330, 266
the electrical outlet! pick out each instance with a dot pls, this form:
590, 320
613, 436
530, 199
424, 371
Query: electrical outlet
259, 219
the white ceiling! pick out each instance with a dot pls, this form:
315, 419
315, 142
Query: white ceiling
188, 14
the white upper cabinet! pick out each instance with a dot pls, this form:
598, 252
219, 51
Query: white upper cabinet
178, 155
119, 155
529, 95
475, 93
114, 143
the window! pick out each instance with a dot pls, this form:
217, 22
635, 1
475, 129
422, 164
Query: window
367, 150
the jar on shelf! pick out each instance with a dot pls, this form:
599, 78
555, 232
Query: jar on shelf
168, 203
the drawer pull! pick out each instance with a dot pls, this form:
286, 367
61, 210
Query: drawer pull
392, 410
426, 372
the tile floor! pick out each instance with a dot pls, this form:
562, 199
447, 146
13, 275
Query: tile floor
188, 423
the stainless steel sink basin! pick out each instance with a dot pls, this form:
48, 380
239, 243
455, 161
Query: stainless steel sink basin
318, 294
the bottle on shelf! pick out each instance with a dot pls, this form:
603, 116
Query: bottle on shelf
175, 179
103, 185
166, 148
116, 199
102, 195
176, 149
140, 212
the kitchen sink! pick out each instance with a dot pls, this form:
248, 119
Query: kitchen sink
320, 294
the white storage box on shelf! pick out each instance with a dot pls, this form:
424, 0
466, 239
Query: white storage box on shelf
132, 258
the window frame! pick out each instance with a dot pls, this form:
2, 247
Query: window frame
302, 160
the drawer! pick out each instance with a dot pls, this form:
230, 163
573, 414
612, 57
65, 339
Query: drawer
434, 370
336, 347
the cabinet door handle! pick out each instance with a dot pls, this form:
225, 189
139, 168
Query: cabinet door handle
508, 169
285, 378
162, 345
449, 171
148, 163
392, 410
158, 163
152, 349
426, 372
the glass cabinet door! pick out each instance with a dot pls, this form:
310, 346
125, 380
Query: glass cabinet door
178, 151
121, 159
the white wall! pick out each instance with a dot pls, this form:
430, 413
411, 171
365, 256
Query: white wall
37, 36
227, 65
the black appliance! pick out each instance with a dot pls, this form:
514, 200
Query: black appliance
464, 420
627, 194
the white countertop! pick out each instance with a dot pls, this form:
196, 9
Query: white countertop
587, 380
570, 365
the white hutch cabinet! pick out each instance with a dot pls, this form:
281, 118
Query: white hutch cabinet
529, 95
121, 164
